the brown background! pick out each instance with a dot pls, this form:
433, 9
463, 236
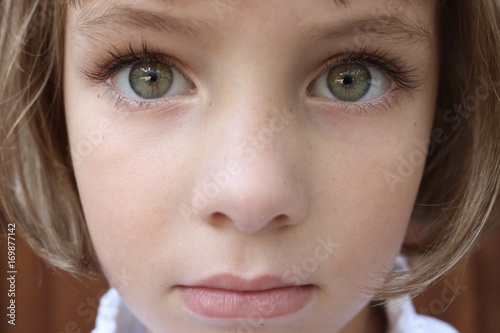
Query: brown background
51, 301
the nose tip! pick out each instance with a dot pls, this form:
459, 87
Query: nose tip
255, 206
251, 176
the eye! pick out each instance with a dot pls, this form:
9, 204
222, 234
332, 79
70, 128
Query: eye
351, 83
151, 80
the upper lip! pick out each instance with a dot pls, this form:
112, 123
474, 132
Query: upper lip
235, 283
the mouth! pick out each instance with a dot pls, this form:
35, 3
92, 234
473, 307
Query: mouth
228, 296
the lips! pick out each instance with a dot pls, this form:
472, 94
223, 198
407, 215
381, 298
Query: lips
230, 297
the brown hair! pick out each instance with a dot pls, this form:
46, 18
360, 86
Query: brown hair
459, 189
38, 191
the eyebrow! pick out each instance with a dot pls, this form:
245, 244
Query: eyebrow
118, 17
382, 27
343, 3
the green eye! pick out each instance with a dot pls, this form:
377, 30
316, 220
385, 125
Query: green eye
349, 82
151, 80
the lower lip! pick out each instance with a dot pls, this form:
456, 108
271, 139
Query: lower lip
228, 304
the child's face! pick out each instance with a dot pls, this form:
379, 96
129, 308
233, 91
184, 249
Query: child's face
268, 140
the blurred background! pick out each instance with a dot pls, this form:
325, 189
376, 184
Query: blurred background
52, 301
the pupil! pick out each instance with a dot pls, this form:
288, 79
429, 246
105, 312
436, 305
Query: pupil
348, 80
153, 77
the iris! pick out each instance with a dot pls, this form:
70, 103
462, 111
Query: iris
349, 82
151, 80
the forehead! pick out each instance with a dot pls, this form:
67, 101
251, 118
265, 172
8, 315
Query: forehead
202, 19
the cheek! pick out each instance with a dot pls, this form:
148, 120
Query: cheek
365, 192
129, 184
133, 183
369, 222
361, 189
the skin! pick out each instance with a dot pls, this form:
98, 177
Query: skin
322, 175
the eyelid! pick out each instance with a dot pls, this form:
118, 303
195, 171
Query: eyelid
105, 69
402, 79
395, 69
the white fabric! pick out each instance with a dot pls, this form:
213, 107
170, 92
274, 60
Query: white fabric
403, 318
114, 316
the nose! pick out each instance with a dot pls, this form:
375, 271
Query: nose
251, 181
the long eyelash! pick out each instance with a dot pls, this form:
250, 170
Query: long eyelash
104, 69
403, 75
116, 60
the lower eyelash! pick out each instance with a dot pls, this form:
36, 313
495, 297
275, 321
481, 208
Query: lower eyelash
122, 101
382, 105
394, 68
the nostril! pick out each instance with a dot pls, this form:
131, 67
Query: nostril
251, 205
218, 219
248, 222
218, 216
281, 218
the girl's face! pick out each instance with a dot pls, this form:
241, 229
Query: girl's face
249, 166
